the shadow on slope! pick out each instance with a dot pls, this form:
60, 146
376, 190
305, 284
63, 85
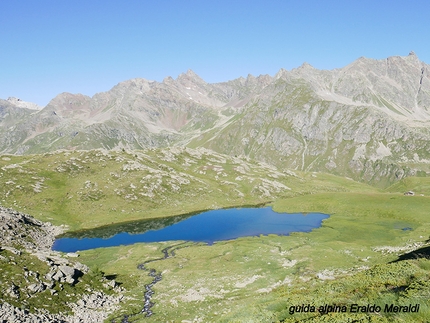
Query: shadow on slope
423, 252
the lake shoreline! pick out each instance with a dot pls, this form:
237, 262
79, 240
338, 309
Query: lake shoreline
207, 227
66, 233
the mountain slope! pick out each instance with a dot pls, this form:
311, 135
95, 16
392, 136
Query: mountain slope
338, 121
369, 120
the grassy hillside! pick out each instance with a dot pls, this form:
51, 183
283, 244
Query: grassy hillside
419, 185
87, 189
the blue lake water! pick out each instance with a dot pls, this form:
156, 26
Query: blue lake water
209, 227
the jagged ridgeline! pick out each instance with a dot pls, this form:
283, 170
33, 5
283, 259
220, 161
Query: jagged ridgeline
88, 189
368, 121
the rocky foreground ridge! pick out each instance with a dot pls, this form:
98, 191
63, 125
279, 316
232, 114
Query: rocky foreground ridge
41, 285
368, 120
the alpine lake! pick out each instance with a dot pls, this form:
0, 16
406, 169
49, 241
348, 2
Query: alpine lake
208, 227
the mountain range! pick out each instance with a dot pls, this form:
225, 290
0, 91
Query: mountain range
369, 121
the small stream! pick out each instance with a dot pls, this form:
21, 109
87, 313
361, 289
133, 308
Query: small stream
168, 252
207, 227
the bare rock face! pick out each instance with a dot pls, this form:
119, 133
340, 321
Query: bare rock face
365, 121
23, 104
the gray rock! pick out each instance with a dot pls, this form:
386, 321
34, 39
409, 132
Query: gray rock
50, 275
36, 288
58, 275
13, 291
68, 271
49, 284
70, 280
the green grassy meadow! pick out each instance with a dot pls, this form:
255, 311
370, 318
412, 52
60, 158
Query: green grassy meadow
348, 260
256, 279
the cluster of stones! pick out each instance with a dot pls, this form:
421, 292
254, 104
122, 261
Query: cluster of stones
9, 313
22, 233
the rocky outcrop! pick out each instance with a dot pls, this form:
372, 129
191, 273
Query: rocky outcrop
25, 231
9, 313
39, 272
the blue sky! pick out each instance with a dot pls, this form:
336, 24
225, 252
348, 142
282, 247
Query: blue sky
49, 47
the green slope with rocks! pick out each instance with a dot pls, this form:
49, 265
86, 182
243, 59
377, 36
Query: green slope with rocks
87, 189
41, 285
249, 279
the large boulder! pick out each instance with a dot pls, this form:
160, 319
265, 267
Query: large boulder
71, 274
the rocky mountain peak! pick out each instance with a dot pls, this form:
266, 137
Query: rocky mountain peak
23, 104
168, 80
190, 77
191, 73
257, 82
250, 80
68, 105
67, 99
281, 73
264, 79
414, 59
306, 65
